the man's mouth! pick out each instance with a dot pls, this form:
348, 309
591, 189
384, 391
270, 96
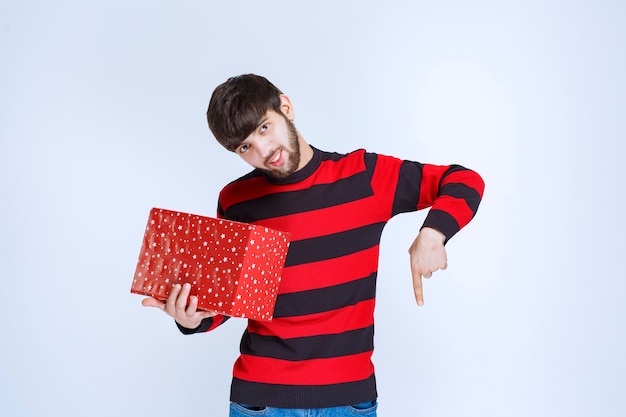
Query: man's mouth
276, 159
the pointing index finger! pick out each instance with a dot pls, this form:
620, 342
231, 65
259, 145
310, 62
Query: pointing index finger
418, 289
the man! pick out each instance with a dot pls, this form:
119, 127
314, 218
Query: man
314, 357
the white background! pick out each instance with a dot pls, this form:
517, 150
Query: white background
102, 116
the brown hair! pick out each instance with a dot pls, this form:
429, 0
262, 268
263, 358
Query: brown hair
237, 106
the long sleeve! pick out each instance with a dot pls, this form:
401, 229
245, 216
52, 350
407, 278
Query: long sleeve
207, 325
452, 192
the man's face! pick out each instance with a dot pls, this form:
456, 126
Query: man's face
273, 147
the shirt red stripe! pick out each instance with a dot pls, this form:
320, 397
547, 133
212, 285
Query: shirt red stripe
257, 187
329, 272
343, 319
309, 372
327, 221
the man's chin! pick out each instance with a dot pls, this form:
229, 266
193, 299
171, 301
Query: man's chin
278, 174
289, 167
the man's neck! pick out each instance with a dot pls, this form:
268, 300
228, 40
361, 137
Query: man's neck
306, 153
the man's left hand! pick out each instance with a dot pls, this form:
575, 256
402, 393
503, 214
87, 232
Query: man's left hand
427, 255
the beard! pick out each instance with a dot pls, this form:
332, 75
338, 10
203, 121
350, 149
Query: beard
293, 159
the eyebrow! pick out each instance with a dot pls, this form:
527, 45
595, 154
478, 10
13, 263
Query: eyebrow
243, 141
265, 119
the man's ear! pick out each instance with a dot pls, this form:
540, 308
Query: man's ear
286, 107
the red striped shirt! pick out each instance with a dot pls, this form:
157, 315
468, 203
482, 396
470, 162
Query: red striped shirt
317, 351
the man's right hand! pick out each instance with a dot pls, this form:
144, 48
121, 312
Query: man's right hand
176, 306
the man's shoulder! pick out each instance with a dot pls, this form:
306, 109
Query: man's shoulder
334, 155
357, 154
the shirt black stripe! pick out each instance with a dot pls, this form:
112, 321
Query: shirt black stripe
407, 192
443, 222
325, 299
335, 245
316, 197
313, 347
465, 192
301, 396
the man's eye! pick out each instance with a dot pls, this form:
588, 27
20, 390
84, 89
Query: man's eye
243, 148
264, 127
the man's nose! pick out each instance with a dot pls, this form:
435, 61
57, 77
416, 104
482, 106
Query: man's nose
264, 147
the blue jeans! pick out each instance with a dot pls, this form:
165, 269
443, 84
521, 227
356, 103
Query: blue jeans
367, 409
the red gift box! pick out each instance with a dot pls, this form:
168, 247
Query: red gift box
234, 268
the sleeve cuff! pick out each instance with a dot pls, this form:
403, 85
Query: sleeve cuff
442, 221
